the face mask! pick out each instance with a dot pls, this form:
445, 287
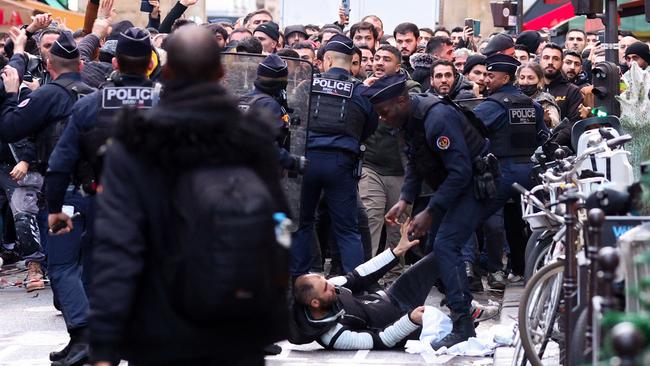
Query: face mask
529, 90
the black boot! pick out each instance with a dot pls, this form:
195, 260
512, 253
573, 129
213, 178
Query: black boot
79, 349
462, 331
59, 355
474, 282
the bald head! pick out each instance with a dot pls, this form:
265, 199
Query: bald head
183, 60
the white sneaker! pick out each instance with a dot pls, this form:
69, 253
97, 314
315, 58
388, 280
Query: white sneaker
482, 312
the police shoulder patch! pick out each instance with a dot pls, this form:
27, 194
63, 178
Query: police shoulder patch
443, 142
23, 103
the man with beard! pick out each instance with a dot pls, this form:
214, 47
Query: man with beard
637, 52
475, 72
572, 69
387, 62
567, 96
447, 81
407, 36
364, 34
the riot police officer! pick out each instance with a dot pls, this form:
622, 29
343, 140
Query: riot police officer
270, 94
443, 148
42, 117
340, 118
515, 123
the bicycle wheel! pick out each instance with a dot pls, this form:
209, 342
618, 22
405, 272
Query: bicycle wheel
519, 357
580, 354
538, 308
535, 259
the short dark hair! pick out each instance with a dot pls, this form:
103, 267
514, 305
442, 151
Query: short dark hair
366, 48
357, 50
436, 42
189, 65
304, 293
364, 26
287, 52
133, 65
256, 12
320, 54
428, 30
392, 50
63, 65
303, 45
404, 28
440, 62
456, 29
442, 29
572, 53
521, 47
250, 45
553, 46
217, 29
180, 23
577, 30
313, 27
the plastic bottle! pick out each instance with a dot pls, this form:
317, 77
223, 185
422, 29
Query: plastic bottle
282, 229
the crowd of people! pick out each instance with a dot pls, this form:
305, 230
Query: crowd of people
415, 138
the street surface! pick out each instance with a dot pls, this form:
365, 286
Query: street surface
31, 328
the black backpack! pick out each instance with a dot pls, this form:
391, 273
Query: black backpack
229, 267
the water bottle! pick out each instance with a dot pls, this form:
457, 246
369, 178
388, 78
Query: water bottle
282, 229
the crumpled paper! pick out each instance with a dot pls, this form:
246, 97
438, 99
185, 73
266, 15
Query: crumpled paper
436, 325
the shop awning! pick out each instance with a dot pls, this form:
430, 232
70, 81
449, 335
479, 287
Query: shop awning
551, 18
18, 12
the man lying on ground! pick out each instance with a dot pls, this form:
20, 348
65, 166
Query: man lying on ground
338, 314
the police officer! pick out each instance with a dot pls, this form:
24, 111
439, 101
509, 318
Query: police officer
514, 122
76, 154
442, 149
339, 119
270, 94
42, 117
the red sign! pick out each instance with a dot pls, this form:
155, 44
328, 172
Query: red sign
14, 19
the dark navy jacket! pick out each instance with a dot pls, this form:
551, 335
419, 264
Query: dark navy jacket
322, 141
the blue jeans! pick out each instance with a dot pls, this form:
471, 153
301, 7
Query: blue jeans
330, 172
66, 256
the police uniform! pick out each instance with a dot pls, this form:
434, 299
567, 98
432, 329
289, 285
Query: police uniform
340, 118
514, 121
270, 90
442, 146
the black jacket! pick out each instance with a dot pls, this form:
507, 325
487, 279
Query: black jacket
567, 96
131, 314
357, 320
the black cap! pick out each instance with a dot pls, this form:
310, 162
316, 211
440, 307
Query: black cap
270, 29
497, 43
386, 88
134, 42
273, 67
341, 44
473, 60
65, 46
531, 39
640, 49
295, 29
502, 63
